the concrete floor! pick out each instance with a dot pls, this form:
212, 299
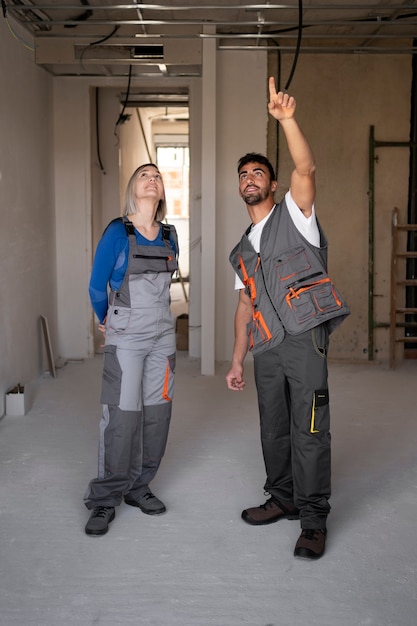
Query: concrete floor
200, 564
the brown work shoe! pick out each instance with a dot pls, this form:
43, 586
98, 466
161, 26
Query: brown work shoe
311, 543
270, 512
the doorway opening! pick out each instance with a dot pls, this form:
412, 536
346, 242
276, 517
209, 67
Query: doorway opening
154, 128
159, 134
174, 164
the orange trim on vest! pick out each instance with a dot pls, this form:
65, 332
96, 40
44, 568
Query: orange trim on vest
257, 316
295, 293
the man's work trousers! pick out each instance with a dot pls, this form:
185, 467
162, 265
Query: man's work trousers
137, 390
293, 398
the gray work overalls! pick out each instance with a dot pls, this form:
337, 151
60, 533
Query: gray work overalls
138, 374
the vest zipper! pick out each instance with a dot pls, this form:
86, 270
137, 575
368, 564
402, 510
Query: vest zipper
266, 288
302, 280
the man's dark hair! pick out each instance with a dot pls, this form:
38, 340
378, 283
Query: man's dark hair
254, 157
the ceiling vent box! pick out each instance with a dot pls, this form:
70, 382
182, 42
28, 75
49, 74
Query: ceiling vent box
147, 52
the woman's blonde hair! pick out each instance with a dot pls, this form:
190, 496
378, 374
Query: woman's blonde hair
129, 206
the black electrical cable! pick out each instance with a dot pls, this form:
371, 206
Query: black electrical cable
277, 154
99, 41
4, 7
81, 17
98, 133
297, 51
276, 127
122, 117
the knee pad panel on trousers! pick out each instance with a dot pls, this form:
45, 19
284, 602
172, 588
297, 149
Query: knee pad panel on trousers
121, 439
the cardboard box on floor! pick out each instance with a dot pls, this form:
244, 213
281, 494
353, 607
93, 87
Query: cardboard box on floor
181, 329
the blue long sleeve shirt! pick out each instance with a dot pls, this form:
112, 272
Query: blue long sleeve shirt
110, 264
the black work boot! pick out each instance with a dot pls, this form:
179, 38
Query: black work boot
99, 520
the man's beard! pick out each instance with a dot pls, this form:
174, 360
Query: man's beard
255, 197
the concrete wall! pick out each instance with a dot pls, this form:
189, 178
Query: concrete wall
72, 152
27, 214
50, 182
241, 128
339, 98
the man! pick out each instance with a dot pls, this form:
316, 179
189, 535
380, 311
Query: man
287, 307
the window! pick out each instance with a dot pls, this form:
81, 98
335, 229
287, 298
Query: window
174, 165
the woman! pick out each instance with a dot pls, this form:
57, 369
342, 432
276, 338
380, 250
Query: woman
136, 258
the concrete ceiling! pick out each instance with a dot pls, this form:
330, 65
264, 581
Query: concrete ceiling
107, 38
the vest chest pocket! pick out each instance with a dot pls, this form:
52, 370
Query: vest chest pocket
291, 263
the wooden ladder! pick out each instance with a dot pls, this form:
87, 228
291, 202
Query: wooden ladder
398, 252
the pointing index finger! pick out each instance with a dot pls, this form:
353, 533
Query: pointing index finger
272, 88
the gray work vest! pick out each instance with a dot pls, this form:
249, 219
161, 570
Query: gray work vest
287, 282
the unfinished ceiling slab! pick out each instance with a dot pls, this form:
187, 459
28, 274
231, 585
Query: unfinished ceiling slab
106, 38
